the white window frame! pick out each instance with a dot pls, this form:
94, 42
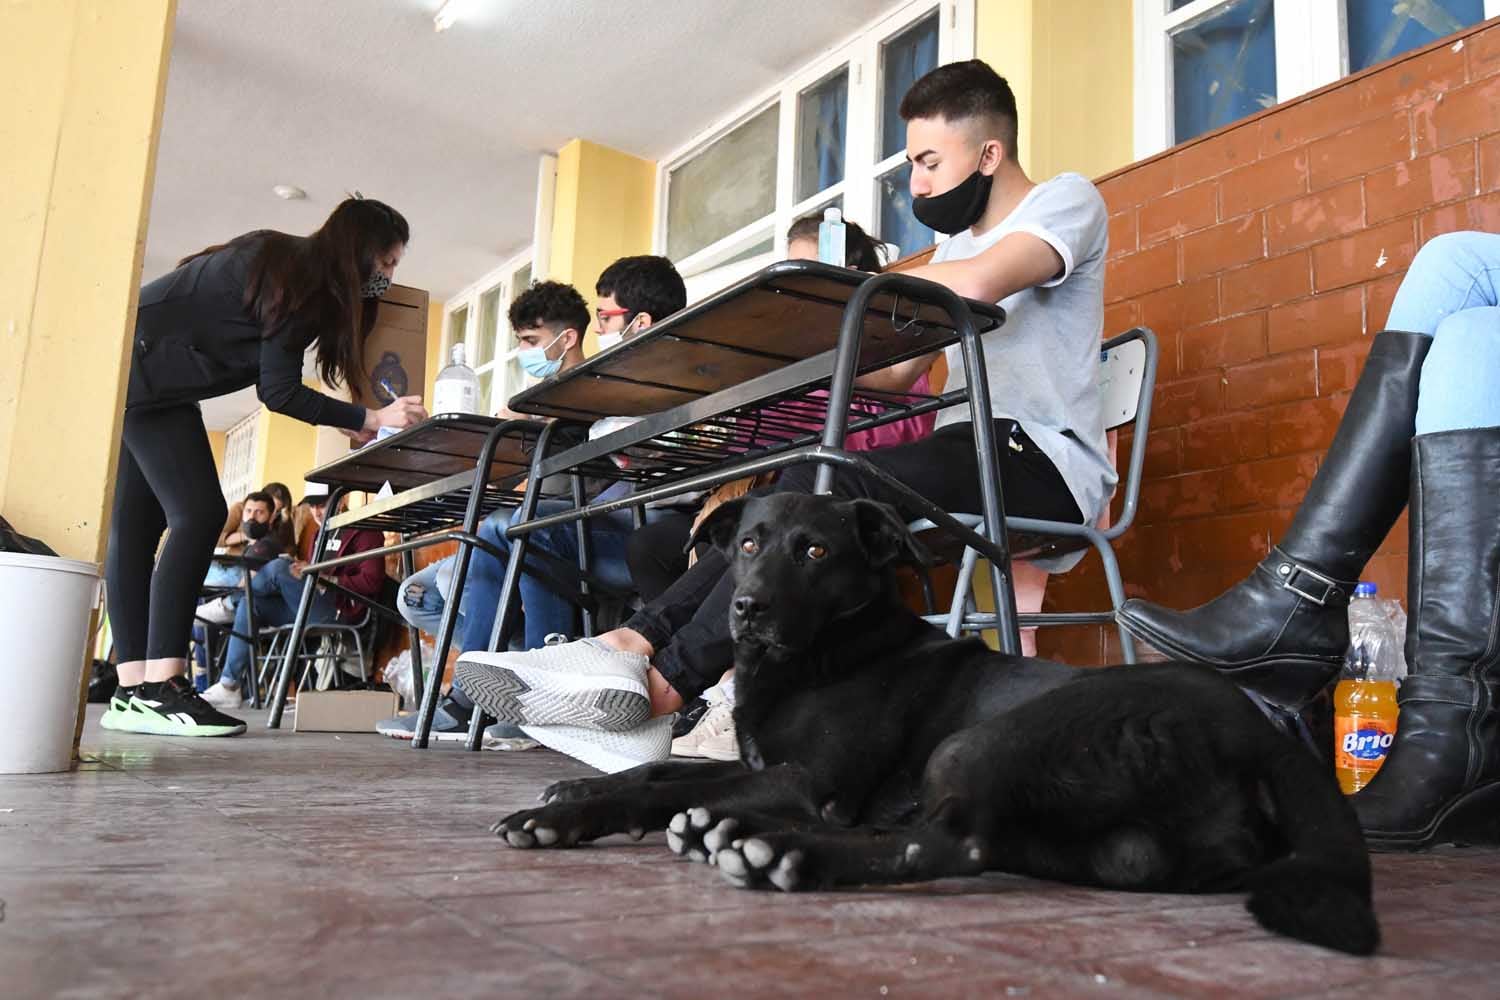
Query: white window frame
1312, 50
704, 270
239, 459
503, 278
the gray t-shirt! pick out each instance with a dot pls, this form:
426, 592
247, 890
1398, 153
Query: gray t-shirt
1043, 363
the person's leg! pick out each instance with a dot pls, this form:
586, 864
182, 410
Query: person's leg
1461, 376
1451, 273
421, 600
1282, 631
270, 610
486, 575
654, 554
135, 529
171, 448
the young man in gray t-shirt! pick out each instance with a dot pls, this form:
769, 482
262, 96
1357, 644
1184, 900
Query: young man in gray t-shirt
1038, 250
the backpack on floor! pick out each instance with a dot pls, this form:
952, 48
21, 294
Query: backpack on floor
12, 540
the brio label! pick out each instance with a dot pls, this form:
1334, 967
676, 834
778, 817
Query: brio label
1362, 742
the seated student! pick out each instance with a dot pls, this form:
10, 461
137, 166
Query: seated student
253, 529
632, 293
1036, 249
278, 591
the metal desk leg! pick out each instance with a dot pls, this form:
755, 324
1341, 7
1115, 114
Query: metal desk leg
253, 679
585, 558
428, 703
413, 634
510, 586
283, 677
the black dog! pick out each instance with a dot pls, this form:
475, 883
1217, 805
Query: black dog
876, 749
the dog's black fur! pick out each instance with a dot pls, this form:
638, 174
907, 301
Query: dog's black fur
875, 749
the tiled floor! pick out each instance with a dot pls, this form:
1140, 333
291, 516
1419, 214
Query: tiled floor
348, 866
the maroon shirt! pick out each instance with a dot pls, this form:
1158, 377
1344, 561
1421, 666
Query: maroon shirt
366, 577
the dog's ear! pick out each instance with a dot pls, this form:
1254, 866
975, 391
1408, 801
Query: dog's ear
719, 527
885, 537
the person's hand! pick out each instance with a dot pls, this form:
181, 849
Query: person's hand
234, 538
296, 568
359, 437
402, 413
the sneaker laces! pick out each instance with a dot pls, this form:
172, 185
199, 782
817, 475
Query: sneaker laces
717, 720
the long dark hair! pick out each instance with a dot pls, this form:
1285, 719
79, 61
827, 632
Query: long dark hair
861, 252
311, 285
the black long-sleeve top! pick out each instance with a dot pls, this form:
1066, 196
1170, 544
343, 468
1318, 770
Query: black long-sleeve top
194, 339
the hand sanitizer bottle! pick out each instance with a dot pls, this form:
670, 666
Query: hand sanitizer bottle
457, 387
831, 237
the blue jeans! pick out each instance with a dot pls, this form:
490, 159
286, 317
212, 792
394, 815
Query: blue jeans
546, 611
421, 600
1452, 294
277, 594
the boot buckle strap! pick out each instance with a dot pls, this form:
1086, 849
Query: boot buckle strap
1307, 583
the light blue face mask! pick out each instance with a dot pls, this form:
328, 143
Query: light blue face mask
534, 360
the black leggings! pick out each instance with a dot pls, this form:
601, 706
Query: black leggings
167, 481
689, 623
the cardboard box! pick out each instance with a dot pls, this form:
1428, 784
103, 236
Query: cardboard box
395, 353
343, 711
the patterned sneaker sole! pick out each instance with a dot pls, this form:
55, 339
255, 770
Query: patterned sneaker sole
524, 696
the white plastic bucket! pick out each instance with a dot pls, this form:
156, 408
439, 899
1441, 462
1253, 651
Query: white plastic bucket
44, 624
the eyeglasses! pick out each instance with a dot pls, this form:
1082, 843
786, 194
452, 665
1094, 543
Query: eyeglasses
605, 315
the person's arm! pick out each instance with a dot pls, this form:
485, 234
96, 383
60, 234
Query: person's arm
230, 535
280, 388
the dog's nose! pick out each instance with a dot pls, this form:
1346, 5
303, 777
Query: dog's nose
746, 607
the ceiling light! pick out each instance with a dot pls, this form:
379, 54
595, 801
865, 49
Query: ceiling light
447, 14
289, 192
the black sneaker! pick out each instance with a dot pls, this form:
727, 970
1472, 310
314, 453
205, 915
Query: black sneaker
174, 708
115, 716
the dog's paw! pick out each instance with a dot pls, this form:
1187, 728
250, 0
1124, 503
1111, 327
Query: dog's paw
762, 863
528, 828
698, 835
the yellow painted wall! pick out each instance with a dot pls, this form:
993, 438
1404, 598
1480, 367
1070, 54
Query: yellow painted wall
284, 449
1073, 85
603, 210
435, 360
216, 441
84, 85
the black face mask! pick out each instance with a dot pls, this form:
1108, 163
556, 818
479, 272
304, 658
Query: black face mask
956, 209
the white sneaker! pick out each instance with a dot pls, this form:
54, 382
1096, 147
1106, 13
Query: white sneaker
609, 752
224, 698
584, 683
718, 718
721, 746
219, 611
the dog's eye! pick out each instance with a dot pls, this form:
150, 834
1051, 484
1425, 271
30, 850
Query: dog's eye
749, 547
816, 552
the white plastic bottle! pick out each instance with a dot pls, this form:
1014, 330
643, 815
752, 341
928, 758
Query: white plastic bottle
457, 387
831, 237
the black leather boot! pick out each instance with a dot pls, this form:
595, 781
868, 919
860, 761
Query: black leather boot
1283, 631
1441, 780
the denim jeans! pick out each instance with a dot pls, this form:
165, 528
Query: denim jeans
546, 611
1451, 293
423, 596
277, 594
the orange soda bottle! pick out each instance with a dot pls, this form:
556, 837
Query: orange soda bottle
1364, 710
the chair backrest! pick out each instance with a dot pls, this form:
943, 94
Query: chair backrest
1122, 370
1128, 379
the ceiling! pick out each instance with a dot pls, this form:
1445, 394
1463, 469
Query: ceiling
338, 95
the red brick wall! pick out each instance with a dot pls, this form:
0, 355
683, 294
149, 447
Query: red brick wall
1265, 256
